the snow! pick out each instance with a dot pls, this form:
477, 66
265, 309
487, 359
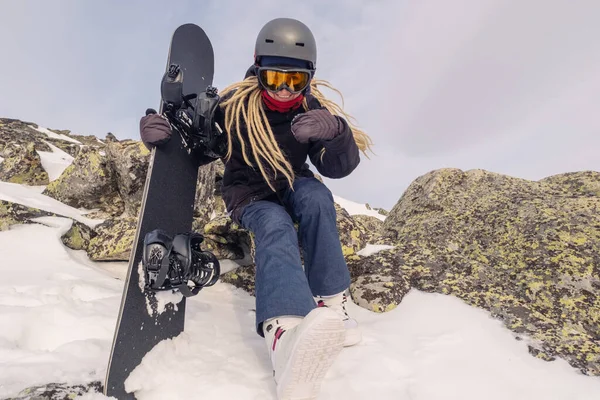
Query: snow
356, 208
371, 249
58, 312
55, 162
58, 136
32, 197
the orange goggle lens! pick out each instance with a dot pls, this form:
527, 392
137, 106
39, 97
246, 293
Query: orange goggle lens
293, 81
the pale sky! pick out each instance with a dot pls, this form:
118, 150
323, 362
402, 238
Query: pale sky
510, 86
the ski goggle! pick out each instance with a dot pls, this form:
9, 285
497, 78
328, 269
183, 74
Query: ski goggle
276, 79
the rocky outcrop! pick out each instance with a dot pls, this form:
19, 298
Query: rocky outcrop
113, 239
58, 391
78, 236
89, 183
528, 252
128, 160
22, 164
13, 214
15, 132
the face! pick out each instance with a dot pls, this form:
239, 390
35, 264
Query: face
283, 95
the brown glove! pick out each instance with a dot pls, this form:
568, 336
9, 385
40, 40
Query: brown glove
315, 125
154, 130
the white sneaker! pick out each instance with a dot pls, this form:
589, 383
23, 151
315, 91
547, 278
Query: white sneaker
337, 303
302, 350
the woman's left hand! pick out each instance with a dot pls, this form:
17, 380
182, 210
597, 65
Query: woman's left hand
314, 125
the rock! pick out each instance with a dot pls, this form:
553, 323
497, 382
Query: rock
15, 132
528, 252
89, 183
227, 240
110, 138
209, 203
58, 391
242, 278
22, 164
353, 235
372, 226
114, 240
380, 211
129, 161
13, 214
78, 236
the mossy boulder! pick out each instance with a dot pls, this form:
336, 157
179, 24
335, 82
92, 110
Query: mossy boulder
13, 214
371, 226
353, 235
22, 164
89, 183
128, 160
528, 252
113, 240
15, 132
78, 236
209, 203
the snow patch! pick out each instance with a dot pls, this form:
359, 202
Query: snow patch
165, 297
371, 249
356, 208
53, 135
31, 197
54, 162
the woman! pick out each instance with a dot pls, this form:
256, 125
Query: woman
273, 121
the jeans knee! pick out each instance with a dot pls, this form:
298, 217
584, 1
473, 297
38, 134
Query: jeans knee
313, 197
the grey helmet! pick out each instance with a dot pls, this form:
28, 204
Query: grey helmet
286, 37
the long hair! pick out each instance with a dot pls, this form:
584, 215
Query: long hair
244, 110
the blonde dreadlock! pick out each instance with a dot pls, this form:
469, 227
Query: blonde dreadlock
245, 109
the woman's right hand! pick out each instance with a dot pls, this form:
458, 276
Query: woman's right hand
154, 129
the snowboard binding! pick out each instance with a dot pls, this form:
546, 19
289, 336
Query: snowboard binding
193, 120
178, 263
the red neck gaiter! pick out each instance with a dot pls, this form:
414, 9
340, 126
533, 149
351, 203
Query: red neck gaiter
281, 106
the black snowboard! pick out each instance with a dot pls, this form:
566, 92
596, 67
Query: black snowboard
168, 204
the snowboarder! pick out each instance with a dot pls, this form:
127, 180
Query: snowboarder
272, 121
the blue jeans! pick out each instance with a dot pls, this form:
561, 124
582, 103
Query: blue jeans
282, 286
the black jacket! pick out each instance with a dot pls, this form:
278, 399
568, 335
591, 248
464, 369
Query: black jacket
243, 184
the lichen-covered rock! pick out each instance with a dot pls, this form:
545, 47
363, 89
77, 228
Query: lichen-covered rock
529, 252
372, 226
22, 164
209, 203
13, 214
129, 160
114, 240
379, 293
242, 278
89, 183
58, 391
15, 132
380, 211
78, 236
353, 235
227, 240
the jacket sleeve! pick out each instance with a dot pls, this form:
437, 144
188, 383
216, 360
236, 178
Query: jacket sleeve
338, 157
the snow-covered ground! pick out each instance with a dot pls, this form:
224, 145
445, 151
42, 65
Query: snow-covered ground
58, 311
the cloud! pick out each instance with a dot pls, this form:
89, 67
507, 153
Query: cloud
503, 85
